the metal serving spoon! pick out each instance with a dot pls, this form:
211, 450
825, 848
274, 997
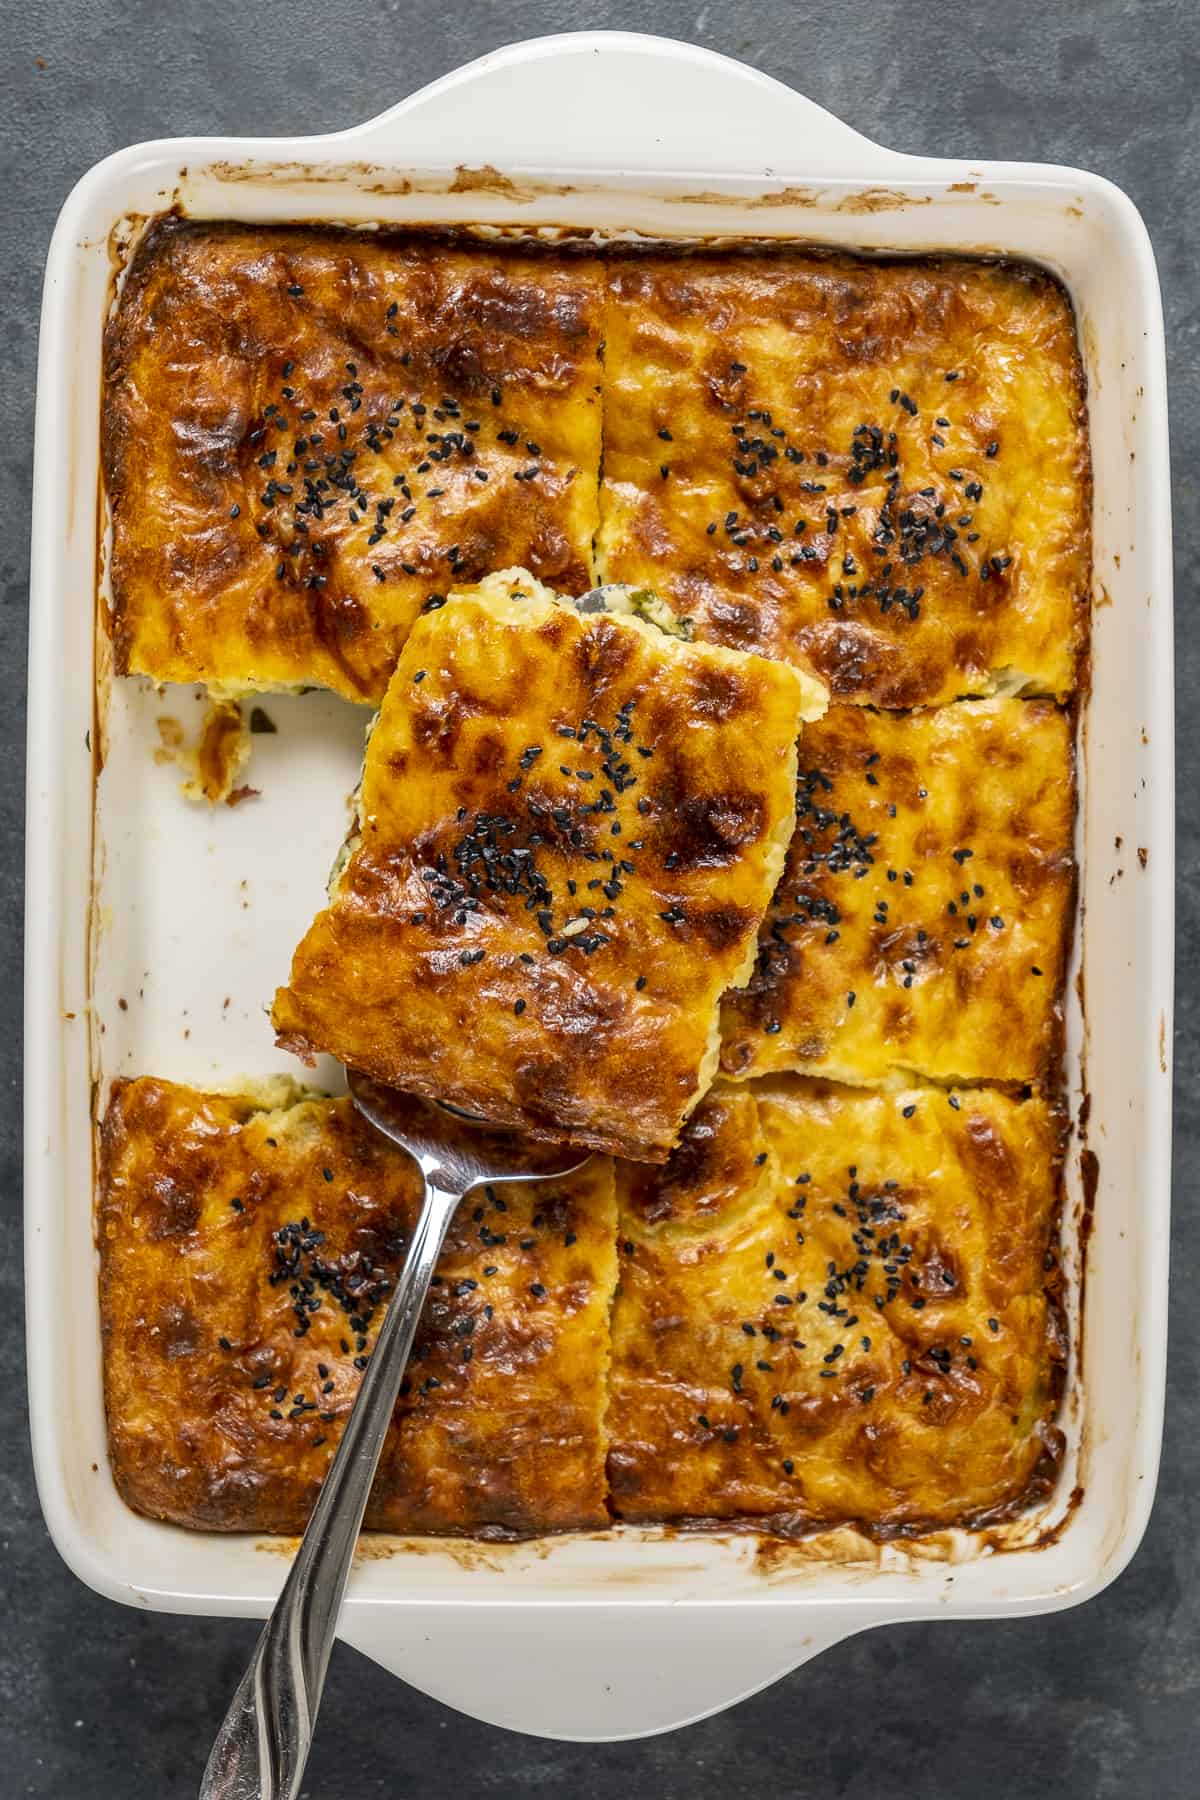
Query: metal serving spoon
263, 1744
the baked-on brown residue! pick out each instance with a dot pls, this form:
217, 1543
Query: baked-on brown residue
213, 763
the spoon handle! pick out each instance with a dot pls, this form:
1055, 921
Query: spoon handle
263, 1743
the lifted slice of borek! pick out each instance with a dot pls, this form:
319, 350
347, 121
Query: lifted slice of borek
569, 829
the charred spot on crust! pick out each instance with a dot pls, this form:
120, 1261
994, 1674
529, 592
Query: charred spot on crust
713, 1160
489, 754
602, 652
988, 1156
552, 557
718, 694
510, 308
460, 366
735, 623
706, 831
179, 1332
852, 658
439, 722
935, 1272
736, 1054
721, 926
174, 1208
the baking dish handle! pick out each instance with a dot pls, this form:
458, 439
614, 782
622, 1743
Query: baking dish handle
619, 99
595, 1674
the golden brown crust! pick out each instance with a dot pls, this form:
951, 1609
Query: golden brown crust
571, 828
923, 918
837, 1307
877, 467
224, 1410
798, 404
262, 396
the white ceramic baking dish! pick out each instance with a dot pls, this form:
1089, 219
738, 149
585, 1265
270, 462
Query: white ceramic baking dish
585, 1637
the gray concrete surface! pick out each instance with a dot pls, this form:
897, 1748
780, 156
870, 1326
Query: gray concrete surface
99, 1703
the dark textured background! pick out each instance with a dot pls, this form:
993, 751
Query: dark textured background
101, 1703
